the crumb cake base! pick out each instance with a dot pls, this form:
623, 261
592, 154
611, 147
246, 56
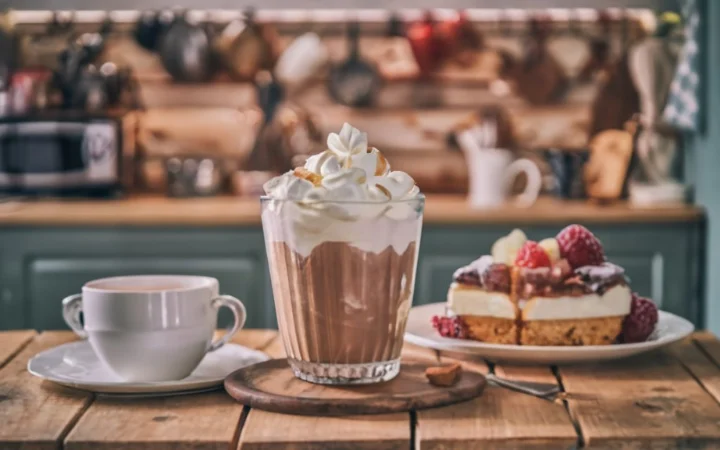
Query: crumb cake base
493, 330
592, 331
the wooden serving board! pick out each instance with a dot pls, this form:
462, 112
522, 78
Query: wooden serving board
271, 386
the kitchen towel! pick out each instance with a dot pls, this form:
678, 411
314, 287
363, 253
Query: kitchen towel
681, 110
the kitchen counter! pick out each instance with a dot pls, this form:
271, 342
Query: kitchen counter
224, 211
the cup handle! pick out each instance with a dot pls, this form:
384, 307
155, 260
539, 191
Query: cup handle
239, 315
71, 309
534, 181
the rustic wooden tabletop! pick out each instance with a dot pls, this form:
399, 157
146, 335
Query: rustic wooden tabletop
663, 400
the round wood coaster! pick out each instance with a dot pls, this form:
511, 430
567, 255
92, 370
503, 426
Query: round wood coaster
271, 386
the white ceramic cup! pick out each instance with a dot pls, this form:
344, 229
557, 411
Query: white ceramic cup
492, 171
151, 327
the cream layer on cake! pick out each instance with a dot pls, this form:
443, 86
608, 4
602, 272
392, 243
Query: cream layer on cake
466, 300
613, 303
474, 301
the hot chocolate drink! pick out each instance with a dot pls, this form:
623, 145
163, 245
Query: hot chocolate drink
342, 236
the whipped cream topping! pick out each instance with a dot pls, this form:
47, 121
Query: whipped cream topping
348, 171
348, 183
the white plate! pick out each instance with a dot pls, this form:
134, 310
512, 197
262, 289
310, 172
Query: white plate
76, 365
670, 328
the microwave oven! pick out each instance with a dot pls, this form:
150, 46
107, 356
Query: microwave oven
61, 156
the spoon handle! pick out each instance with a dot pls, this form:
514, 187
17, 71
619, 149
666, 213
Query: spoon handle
542, 390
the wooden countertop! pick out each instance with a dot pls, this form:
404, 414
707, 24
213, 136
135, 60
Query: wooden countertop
222, 211
667, 399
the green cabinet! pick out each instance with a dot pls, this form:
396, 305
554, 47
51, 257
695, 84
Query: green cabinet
41, 265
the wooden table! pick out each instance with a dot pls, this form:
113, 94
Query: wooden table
664, 400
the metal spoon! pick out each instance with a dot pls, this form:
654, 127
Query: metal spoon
542, 390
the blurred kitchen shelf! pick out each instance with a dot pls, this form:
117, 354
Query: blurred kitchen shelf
224, 211
318, 4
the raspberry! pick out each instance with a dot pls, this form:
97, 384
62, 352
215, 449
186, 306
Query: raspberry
450, 327
531, 255
580, 247
641, 321
496, 277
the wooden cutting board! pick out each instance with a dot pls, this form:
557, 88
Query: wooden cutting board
271, 386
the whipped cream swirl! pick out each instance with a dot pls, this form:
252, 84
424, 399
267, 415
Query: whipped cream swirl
347, 193
348, 171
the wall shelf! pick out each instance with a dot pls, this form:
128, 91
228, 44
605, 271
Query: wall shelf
334, 4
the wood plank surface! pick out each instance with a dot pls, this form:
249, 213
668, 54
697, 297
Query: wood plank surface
36, 415
206, 421
217, 211
646, 402
269, 431
663, 400
500, 418
709, 344
698, 363
11, 342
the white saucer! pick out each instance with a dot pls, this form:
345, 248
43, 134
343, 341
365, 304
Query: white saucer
76, 365
670, 328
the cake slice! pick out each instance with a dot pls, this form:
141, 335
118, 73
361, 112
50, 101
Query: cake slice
560, 291
480, 297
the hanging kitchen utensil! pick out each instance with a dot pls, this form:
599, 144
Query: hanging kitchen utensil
117, 82
570, 47
81, 52
600, 49
42, 49
267, 153
652, 63
396, 60
301, 60
354, 81
505, 36
150, 28
426, 43
617, 99
268, 156
89, 92
539, 78
247, 46
185, 51
93, 44
461, 40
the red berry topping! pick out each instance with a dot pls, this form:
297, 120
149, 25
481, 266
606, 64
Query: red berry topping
641, 321
580, 247
450, 327
531, 255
